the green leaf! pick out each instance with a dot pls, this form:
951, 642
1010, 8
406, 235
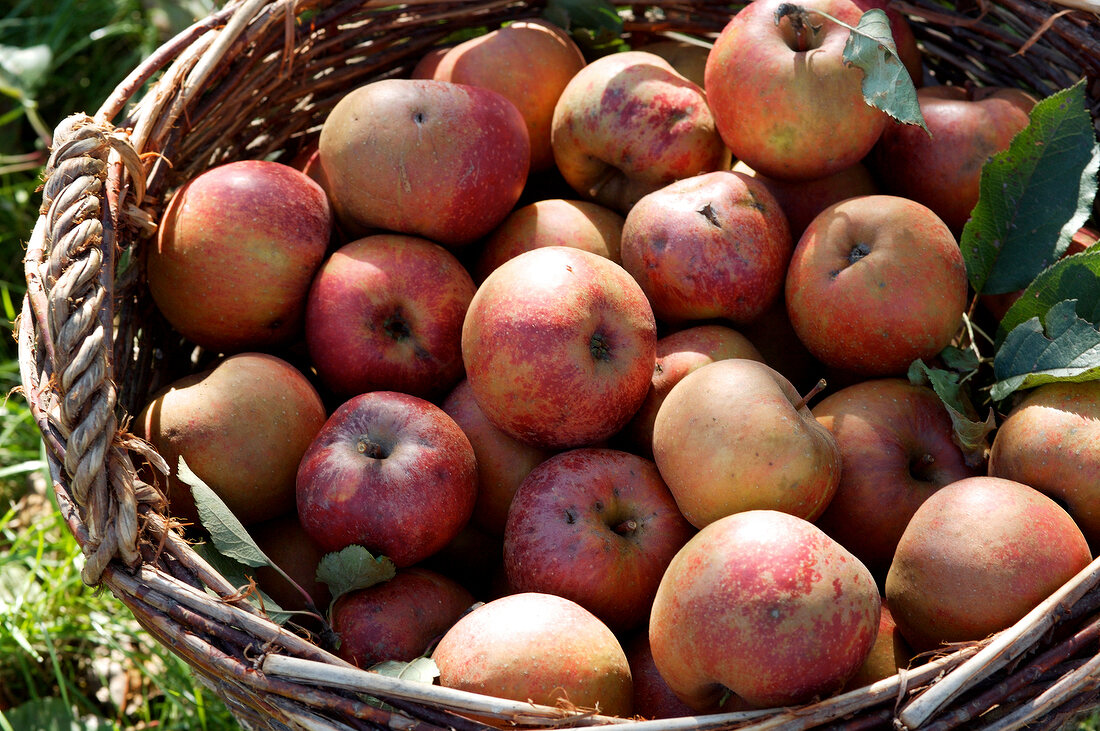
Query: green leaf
226, 531
970, 433
1075, 277
239, 576
886, 82
1034, 196
595, 25
1067, 349
418, 670
353, 568
23, 70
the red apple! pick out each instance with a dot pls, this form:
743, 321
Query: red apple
286, 543
785, 100
890, 654
236, 250
876, 282
385, 313
711, 246
678, 354
897, 447
552, 222
734, 435
559, 346
775, 339
397, 619
977, 556
597, 526
426, 158
502, 461
652, 696
390, 472
1050, 441
628, 124
540, 648
242, 427
766, 605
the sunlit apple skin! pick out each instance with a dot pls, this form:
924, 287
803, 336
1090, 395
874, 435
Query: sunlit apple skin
764, 604
235, 254
715, 245
897, 448
790, 111
559, 346
390, 472
1050, 440
385, 313
537, 647
874, 283
628, 124
397, 619
597, 526
424, 157
734, 435
977, 556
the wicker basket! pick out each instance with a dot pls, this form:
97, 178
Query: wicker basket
256, 79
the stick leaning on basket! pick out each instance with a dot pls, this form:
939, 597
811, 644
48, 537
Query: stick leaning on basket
255, 80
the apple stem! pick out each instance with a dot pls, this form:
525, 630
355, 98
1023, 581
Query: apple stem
798, 18
627, 526
818, 388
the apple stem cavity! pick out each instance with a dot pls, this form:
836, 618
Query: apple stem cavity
626, 527
858, 251
599, 346
799, 33
818, 388
374, 450
396, 326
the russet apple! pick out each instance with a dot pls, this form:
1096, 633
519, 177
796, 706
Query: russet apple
385, 313
715, 245
559, 346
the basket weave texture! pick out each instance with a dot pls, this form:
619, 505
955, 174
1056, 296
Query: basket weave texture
255, 80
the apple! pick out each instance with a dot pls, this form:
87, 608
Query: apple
426, 158
890, 653
775, 339
527, 61
385, 313
652, 696
597, 526
559, 346
764, 604
678, 354
552, 222
874, 283
1050, 441
734, 435
784, 98
628, 124
242, 427
390, 472
502, 461
897, 447
943, 170
714, 245
397, 619
286, 543
977, 556
540, 648
427, 64
236, 250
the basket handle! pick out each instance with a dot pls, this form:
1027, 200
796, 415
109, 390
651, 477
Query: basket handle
70, 265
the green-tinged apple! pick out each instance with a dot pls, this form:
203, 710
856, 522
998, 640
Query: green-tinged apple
784, 98
552, 222
678, 354
537, 647
628, 124
734, 435
896, 448
764, 605
943, 170
242, 427
711, 246
385, 313
390, 472
529, 62
977, 556
1050, 441
502, 461
423, 157
235, 253
559, 346
876, 282
597, 526
398, 619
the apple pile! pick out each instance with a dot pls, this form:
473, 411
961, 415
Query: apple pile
545, 331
